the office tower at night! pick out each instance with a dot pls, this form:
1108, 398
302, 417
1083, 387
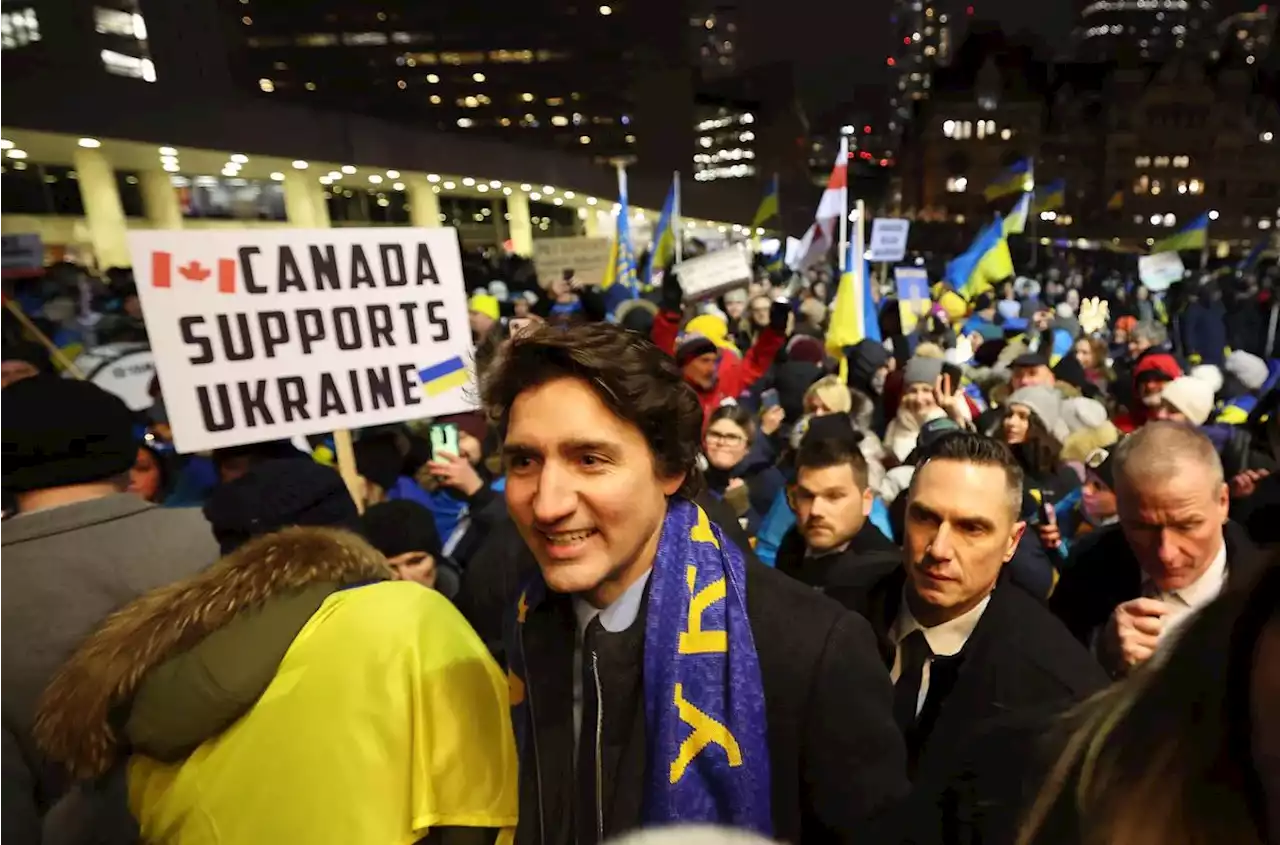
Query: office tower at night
1145, 29
541, 72
922, 31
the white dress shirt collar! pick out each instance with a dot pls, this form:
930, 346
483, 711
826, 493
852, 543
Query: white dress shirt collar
1200, 591
945, 640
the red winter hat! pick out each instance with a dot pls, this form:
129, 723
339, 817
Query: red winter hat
1160, 366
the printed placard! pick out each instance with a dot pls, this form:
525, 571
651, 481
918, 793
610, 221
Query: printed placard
588, 258
268, 334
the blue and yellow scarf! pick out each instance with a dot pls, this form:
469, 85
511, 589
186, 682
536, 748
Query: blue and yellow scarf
708, 755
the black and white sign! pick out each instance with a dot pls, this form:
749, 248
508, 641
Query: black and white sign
267, 334
889, 238
707, 275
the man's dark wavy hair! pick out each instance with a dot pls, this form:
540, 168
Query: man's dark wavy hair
636, 380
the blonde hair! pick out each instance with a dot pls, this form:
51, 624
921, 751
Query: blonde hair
1163, 757
929, 350
833, 393
1080, 444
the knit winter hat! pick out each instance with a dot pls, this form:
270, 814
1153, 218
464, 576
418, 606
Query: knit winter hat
806, 349
58, 432
1045, 403
400, 526
693, 346
484, 304
921, 371
379, 460
1248, 368
1080, 412
1209, 374
472, 423
279, 494
1192, 397
865, 357
713, 328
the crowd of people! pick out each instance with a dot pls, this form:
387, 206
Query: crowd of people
1004, 573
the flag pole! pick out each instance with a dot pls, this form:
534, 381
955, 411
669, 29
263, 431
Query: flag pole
859, 244
675, 218
844, 211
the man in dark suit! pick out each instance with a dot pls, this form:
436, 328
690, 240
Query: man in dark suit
600, 437
1172, 552
833, 543
965, 648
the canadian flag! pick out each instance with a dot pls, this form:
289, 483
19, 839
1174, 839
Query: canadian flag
833, 205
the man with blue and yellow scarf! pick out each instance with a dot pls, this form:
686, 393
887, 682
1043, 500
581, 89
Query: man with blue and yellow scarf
658, 673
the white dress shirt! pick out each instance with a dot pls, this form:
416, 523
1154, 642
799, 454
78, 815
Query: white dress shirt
1186, 601
945, 640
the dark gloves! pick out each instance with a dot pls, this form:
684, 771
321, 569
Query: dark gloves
778, 314
672, 296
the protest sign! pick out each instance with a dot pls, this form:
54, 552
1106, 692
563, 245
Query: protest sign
266, 334
1160, 270
707, 275
912, 285
588, 258
125, 369
889, 239
22, 254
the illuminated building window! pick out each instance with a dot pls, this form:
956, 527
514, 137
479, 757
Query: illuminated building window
18, 28
1141, 185
1142, 161
119, 22
555, 101
131, 66
1155, 187
266, 85
1161, 161
957, 184
316, 39
1181, 161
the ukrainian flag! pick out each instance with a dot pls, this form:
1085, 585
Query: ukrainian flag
1192, 236
445, 376
985, 263
621, 279
664, 236
1016, 178
1051, 197
768, 206
853, 314
1016, 222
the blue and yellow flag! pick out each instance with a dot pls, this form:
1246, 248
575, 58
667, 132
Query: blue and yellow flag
853, 314
1051, 196
1018, 177
768, 205
664, 235
1016, 222
1192, 236
985, 263
621, 279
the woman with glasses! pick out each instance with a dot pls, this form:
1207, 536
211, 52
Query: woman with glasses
740, 466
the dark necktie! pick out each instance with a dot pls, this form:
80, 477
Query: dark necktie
906, 693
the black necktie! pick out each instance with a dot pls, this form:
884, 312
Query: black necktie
914, 650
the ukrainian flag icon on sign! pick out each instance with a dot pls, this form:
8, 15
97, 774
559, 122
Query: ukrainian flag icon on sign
445, 376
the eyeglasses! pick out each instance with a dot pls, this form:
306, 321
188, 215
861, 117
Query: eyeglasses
725, 437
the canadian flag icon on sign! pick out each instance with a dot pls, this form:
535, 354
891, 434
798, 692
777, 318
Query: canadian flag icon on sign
162, 269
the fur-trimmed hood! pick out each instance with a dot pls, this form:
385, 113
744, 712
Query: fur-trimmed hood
73, 723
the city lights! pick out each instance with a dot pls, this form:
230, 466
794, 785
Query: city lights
89, 143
